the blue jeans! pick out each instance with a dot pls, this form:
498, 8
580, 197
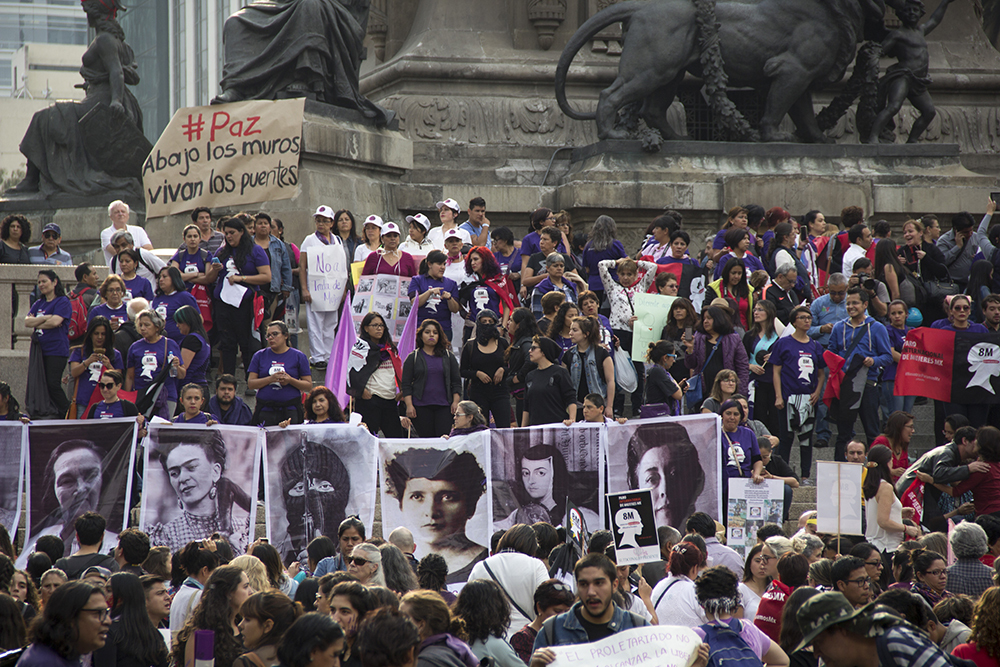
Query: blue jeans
891, 403
821, 430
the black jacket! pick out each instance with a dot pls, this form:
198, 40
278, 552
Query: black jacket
415, 375
364, 360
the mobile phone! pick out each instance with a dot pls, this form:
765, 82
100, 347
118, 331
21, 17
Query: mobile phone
689, 333
263, 540
995, 196
98, 350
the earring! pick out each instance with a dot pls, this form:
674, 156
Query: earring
213, 492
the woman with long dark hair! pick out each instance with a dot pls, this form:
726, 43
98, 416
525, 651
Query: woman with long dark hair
88, 362
489, 288
132, 641
322, 407
732, 286
374, 384
482, 606
663, 394
559, 329
15, 232
483, 365
715, 347
239, 264
171, 295
74, 622
431, 384
266, 617
896, 436
736, 218
196, 353
49, 317
755, 581
543, 489
681, 317
813, 239
891, 271
884, 511
591, 369
783, 251
522, 328
313, 639
759, 341
225, 592
345, 227
13, 633
739, 243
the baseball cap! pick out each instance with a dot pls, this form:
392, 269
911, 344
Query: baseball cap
374, 220
324, 211
52, 227
450, 203
420, 219
102, 572
390, 228
452, 234
822, 611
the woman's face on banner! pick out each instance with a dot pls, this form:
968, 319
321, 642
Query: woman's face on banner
78, 482
661, 470
433, 509
191, 474
537, 477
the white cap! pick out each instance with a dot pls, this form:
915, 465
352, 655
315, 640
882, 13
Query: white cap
374, 220
390, 228
421, 220
324, 211
450, 203
453, 234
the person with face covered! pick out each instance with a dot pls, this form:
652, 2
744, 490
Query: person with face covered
438, 491
195, 462
664, 459
483, 364
315, 486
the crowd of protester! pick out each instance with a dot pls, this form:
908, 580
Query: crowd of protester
528, 329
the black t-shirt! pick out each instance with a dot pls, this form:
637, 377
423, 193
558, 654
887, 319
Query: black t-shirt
660, 386
537, 262
549, 394
595, 631
778, 467
715, 364
75, 566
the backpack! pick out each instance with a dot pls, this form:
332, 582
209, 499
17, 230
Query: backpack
78, 320
726, 648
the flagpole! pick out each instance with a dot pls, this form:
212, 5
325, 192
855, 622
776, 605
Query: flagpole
839, 502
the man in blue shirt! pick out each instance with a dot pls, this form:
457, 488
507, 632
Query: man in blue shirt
874, 349
478, 225
226, 406
826, 311
49, 251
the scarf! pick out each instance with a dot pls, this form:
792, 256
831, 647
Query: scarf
387, 352
505, 290
928, 594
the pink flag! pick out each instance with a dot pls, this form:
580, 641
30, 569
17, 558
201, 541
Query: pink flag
338, 366
408, 341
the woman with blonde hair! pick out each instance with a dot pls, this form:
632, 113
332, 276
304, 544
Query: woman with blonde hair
723, 389
256, 571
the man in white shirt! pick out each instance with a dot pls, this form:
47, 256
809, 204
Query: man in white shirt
119, 213
860, 238
448, 210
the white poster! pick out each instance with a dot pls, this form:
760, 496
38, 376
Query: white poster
838, 498
13, 450
317, 475
385, 295
650, 646
750, 507
327, 277
440, 490
200, 480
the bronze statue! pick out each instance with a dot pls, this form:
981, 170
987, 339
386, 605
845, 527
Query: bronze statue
91, 147
909, 77
277, 49
784, 47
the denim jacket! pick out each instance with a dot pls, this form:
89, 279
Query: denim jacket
281, 266
567, 629
595, 373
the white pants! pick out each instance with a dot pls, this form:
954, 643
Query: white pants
322, 331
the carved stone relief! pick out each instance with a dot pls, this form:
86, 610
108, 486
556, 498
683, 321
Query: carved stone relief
546, 16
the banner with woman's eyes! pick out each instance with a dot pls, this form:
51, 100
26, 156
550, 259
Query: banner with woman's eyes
535, 471
316, 476
198, 481
440, 490
74, 467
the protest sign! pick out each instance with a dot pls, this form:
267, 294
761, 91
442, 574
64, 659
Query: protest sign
385, 295
652, 311
225, 155
327, 275
750, 507
950, 366
634, 527
838, 498
649, 646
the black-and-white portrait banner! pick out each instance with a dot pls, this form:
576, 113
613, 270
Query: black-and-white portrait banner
13, 450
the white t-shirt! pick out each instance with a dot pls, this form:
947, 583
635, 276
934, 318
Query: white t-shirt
361, 252
519, 575
139, 236
853, 253
678, 605
436, 237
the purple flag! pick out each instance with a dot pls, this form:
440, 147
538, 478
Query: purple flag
337, 368
408, 341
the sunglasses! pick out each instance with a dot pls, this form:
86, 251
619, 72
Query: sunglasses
360, 562
109, 385
50, 235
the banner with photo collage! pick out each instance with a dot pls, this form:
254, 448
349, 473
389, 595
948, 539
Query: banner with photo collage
385, 295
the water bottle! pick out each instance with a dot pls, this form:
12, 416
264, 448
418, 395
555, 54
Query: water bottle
170, 362
204, 648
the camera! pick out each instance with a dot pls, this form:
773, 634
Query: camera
869, 284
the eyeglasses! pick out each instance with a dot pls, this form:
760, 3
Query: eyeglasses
936, 573
864, 582
115, 290
109, 385
960, 308
461, 414
51, 235
103, 612
377, 325
875, 563
360, 562
767, 559
272, 334
761, 560
534, 347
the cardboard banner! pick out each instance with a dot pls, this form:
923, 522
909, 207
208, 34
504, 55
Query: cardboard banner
536, 471
317, 475
385, 295
678, 458
838, 498
634, 528
327, 276
750, 507
652, 311
650, 646
440, 490
950, 366
13, 450
200, 480
225, 155
74, 467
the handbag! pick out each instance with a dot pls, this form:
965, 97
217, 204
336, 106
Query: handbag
37, 401
625, 376
937, 290
696, 383
149, 402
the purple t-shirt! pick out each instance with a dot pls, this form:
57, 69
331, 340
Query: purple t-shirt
200, 418
167, 304
481, 297
138, 287
435, 308
974, 327
435, 393
88, 380
511, 262
741, 454
800, 365
55, 342
189, 263
104, 410
720, 239
147, 360
266, 362
104, 310
591, 258
256, 257
896, 337
202, 356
